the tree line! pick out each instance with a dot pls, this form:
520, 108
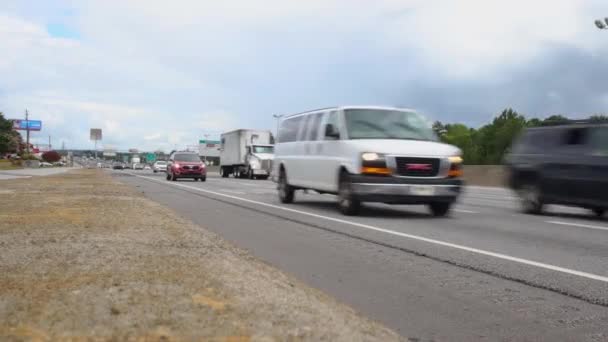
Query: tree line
488, 144
10, 140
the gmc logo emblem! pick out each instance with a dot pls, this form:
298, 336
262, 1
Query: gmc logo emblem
418, 167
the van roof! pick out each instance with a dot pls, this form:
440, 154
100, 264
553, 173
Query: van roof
350, 107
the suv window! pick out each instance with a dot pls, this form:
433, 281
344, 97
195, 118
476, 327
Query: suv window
576, 136
598, 139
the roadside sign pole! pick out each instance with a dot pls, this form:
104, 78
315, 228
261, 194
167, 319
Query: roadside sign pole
27, 129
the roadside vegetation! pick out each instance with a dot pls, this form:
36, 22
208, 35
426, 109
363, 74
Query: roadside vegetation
488, 144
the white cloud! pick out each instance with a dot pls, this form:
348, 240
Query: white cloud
155, 74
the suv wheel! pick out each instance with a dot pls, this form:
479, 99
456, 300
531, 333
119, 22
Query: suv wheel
286, 191
599, 212
173, 178
531, 199
348, 204
203, 179
168, 176
440, 209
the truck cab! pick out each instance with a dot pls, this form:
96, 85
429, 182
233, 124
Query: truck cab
246, 153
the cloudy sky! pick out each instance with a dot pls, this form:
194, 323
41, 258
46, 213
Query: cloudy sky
162, 74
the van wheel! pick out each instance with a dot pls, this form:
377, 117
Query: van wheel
348, 204
224, 172
531, 199
440, 209
286, 191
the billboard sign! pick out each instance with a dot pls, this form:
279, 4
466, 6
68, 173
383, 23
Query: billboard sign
96, 134
209, 148
24, 125
109, 152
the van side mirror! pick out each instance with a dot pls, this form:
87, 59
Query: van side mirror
331, 132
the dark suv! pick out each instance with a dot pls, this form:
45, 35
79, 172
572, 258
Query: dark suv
186, 165
561, 165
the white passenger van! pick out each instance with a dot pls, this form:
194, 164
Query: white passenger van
366, 154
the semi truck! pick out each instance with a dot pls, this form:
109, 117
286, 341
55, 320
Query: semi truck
246, 153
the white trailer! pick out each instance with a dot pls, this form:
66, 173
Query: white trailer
246, 153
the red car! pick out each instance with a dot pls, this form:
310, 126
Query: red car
186, 165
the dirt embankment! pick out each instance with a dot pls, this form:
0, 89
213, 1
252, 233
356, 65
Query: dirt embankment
84, 257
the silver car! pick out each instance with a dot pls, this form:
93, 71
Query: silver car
159, 166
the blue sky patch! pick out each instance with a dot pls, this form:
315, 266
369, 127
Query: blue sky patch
62, 31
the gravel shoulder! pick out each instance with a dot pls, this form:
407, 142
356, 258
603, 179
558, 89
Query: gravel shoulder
85, 257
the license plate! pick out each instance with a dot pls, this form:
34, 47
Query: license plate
422, 190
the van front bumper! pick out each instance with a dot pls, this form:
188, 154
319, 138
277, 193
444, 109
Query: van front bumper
396, 190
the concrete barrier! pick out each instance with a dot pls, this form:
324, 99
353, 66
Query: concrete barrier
485, 175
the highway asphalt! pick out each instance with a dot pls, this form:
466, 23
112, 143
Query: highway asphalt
487, 272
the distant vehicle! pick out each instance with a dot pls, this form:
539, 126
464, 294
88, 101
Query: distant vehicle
159, 166
561, 165
118, 166
135, 160
186, 165
45, 164
138, 166
367, 154
246, 153
147, 167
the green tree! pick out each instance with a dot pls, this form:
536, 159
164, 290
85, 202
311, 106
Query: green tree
555, 120
598, 118
10, 140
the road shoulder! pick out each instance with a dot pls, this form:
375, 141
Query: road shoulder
83, 256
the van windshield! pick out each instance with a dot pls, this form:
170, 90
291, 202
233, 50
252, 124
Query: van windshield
387, 124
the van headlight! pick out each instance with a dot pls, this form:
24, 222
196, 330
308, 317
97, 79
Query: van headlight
374, 164
455, 166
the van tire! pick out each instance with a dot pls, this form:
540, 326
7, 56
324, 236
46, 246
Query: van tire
347, 202
440, 209
286, 191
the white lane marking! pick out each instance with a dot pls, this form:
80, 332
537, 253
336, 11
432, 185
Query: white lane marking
466, 211
588, 226
233, 192
490, 188
409, 236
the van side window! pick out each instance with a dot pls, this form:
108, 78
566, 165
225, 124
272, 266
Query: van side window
288, 131
333, 120
313, 126
303, 125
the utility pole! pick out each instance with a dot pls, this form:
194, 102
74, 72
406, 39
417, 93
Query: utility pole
27, 130
206, 143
